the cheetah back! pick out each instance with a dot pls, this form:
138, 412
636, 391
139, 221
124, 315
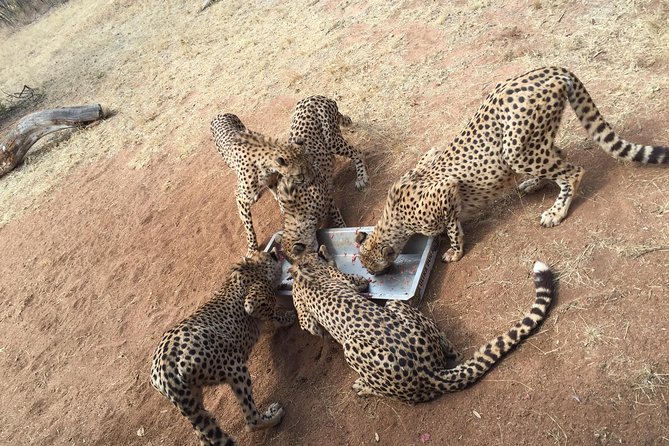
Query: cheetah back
397, 351
512, 133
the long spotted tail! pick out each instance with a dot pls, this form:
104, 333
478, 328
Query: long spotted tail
602, 133
470, 371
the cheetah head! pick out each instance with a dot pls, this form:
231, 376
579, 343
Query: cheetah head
287, 158
376, 257
298, 238
267, 264
312, 265
291, 161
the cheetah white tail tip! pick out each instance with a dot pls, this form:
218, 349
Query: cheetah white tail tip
540, 267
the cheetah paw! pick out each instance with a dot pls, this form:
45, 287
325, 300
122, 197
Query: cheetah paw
274, 413
451, 255
271, 417
551, 218
361, 388
362, 183
360, 284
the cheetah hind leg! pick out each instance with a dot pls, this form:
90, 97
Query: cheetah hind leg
449, 349
341, 147
254, 419
410, 316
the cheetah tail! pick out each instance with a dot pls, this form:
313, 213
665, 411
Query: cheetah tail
468, 372
601, 132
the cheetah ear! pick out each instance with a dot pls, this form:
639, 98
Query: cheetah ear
274, 253
280, 161
360, 237
325, 254
388, 252
298, 249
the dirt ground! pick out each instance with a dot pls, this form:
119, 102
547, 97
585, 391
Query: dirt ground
111, 234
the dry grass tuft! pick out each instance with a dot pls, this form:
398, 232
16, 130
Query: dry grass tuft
571, 267
640, 250
649, 381
593, 335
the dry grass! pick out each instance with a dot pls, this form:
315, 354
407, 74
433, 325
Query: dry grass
384, 99
650, 381
571, 265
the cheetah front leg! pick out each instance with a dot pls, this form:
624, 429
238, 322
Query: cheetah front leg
343, 148
244, 207
336, 219
359, 283
241, 385
307, 321
456, 235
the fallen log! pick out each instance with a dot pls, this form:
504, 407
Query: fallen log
34, 126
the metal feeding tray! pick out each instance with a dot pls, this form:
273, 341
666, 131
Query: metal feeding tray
406, 279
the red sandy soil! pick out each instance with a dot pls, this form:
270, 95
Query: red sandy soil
97, 267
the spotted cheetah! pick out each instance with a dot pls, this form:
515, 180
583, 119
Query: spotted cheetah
307, 205
212, 345
258, 162
511, 133
397, 351
316, 121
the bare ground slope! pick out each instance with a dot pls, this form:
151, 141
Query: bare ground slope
111, 234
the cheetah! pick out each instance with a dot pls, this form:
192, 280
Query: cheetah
258, 162
308, 205
511, 133
397, 351
316, 121
212, 345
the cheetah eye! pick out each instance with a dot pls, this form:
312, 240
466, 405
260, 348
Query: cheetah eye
388, 252
299, 141
298, 249
281, 162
